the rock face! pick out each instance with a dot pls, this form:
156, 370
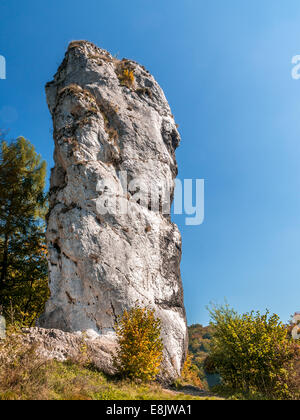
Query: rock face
56, 344
112, 126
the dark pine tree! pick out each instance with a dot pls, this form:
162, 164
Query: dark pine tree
23, 205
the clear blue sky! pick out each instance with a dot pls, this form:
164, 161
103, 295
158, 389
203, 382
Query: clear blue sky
225, 67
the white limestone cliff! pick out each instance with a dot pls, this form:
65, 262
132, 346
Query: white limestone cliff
111, 117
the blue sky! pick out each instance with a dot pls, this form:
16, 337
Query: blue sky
225, 67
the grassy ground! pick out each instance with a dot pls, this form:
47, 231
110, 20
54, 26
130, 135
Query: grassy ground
26, 375
69, 381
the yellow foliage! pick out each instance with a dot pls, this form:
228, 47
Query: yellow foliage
126, 76
189, 373
140, 345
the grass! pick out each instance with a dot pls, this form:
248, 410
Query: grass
235, 395
69, 381
25, 375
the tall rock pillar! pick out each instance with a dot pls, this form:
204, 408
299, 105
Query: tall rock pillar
112, 125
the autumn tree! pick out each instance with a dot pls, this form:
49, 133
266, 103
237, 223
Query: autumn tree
23, 266
140, 345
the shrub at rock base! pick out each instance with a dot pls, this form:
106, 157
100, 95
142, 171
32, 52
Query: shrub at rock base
140, 350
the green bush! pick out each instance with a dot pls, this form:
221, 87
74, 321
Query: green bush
253, 353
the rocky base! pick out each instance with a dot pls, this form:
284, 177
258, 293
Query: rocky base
58, 345
99, 351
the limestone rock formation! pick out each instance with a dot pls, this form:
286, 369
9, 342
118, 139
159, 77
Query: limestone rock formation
59, 345
112, 123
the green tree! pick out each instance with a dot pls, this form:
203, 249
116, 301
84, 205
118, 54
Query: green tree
253, 353
23, 266
199, 345
140, 345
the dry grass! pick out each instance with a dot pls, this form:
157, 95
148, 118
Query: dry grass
22, 372
26, 376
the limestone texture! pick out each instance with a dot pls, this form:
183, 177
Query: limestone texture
51, 344
110, 117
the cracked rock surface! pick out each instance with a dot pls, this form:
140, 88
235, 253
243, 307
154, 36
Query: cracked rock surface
59, 345
111, 117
